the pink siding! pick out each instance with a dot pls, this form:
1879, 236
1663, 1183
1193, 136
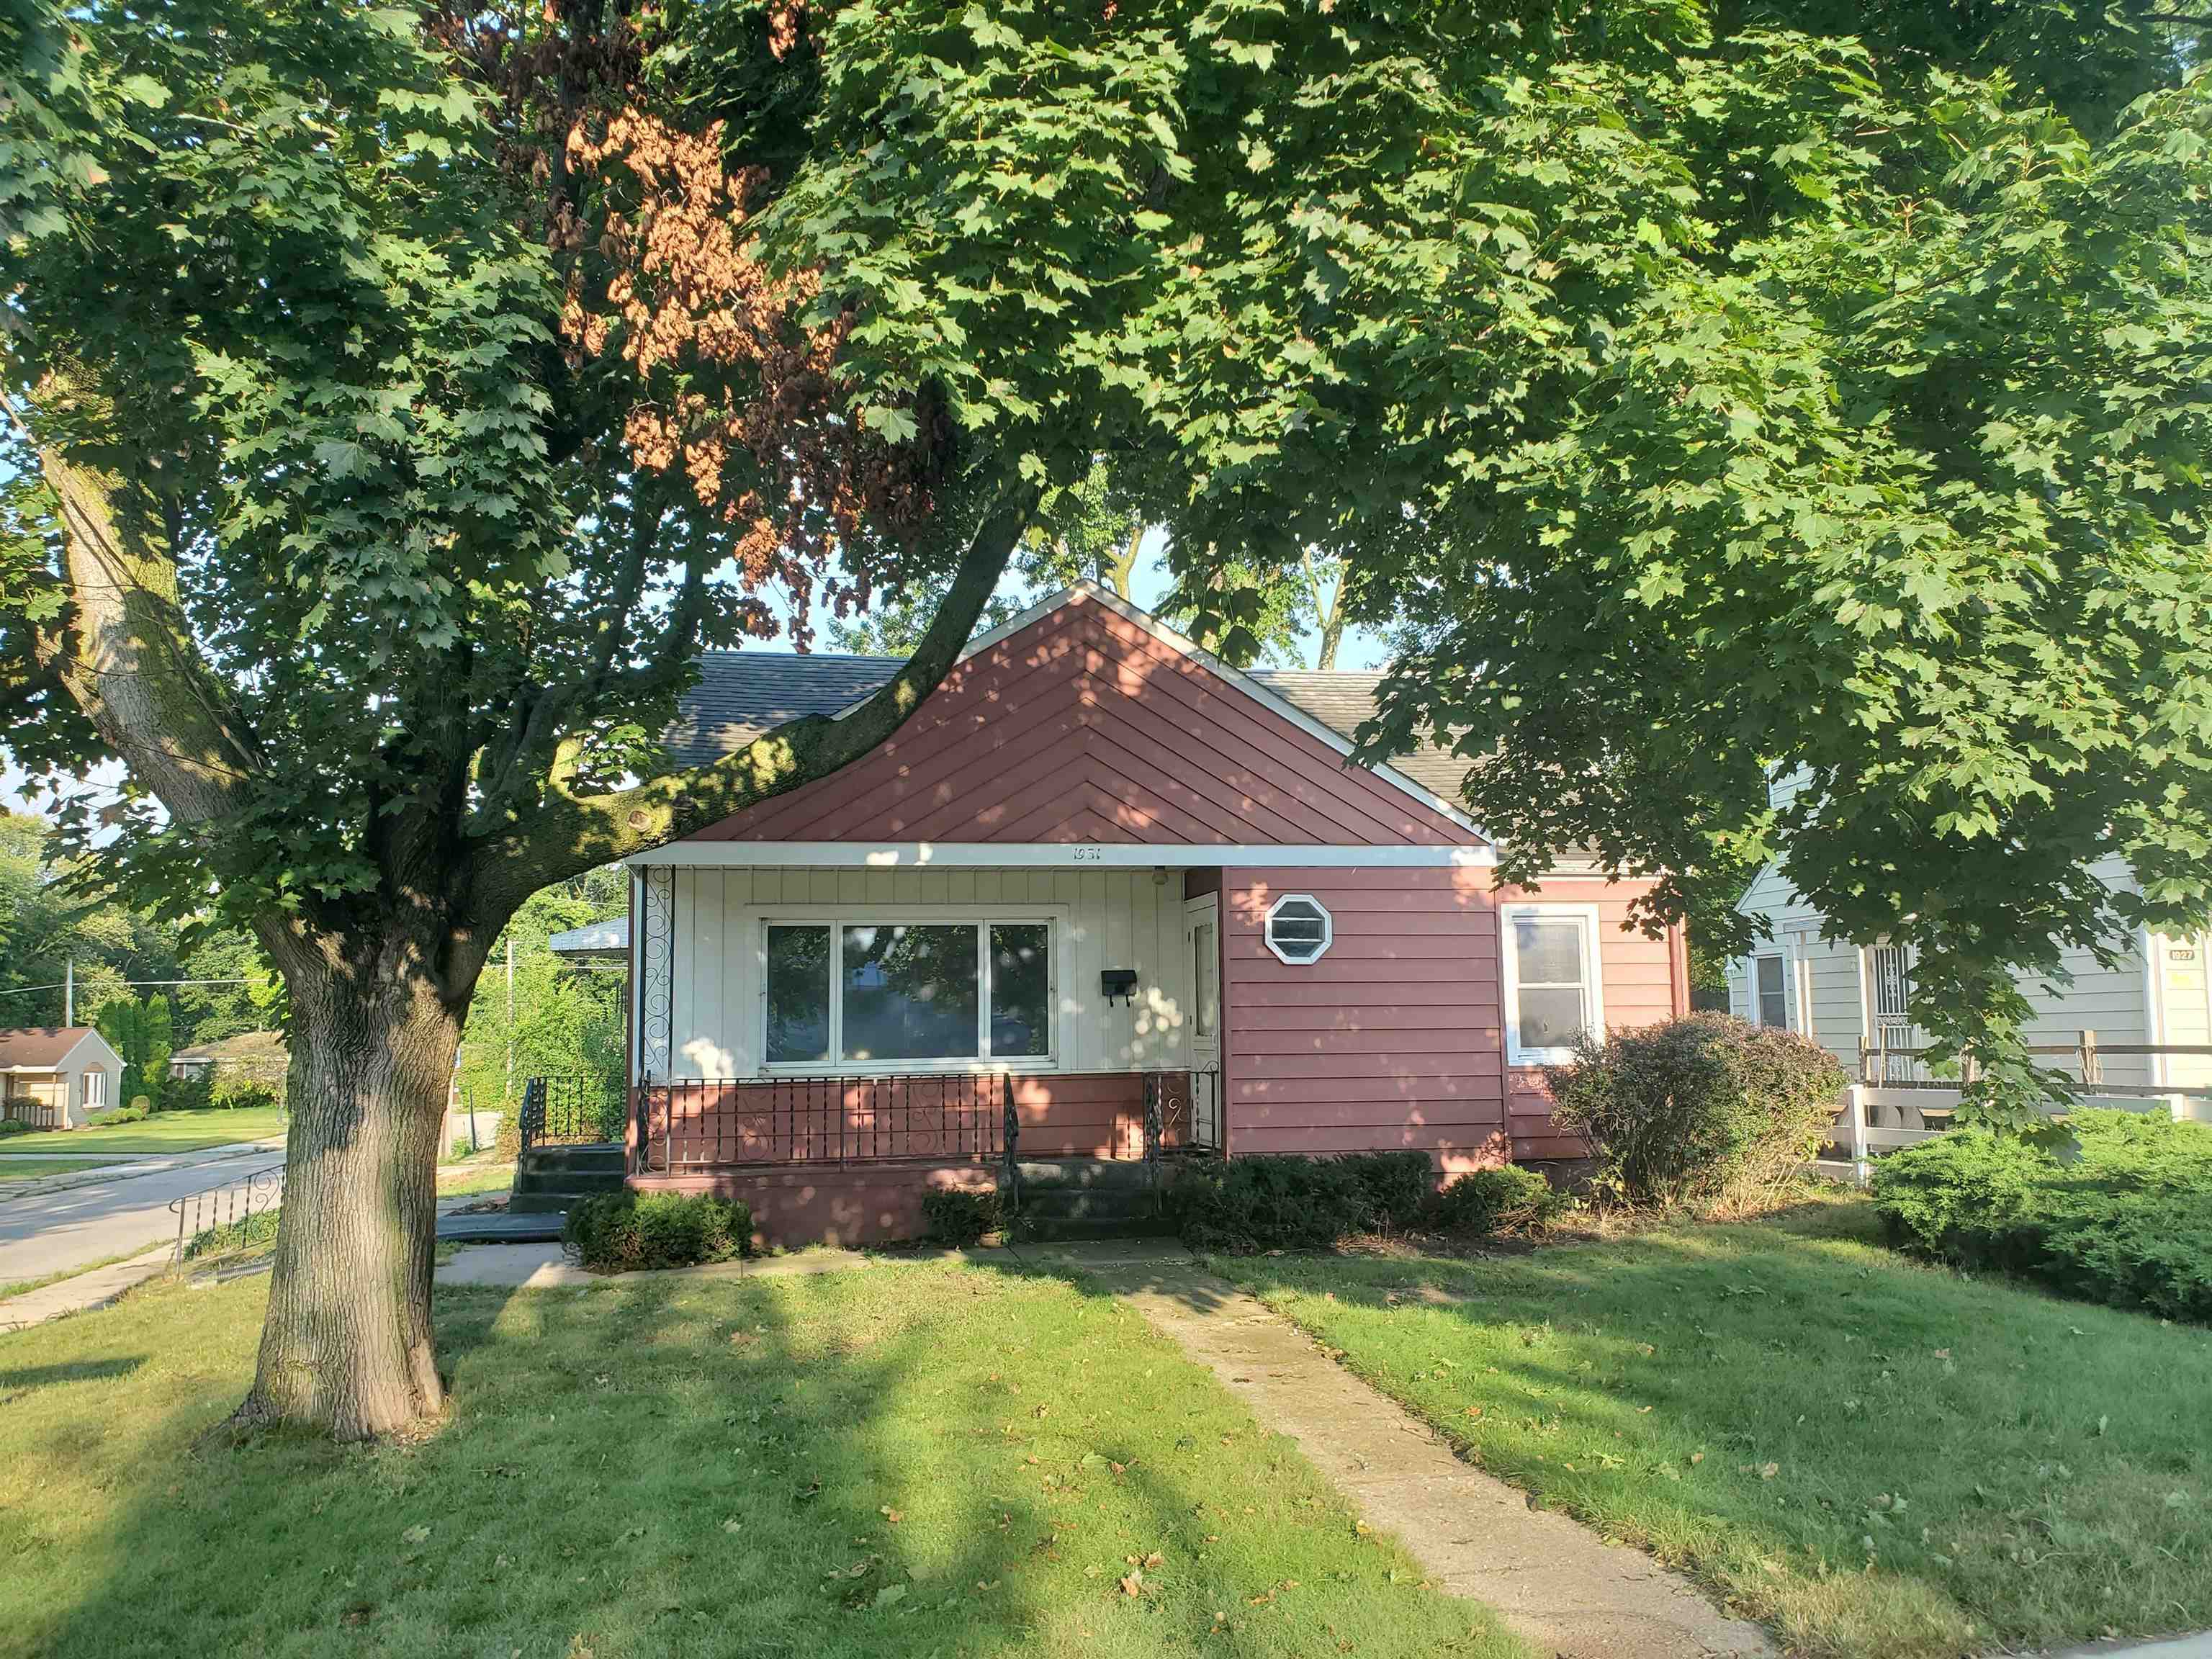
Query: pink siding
1391, 1040
1083, 728
1646, 981
1395, 1038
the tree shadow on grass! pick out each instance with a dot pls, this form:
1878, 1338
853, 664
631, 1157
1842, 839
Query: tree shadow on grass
853, 1464
83, 1370
1777, 1407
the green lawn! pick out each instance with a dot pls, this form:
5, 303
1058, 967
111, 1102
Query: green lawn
908, 1460
1870, 1455
30, 1168
164, 1132
477, 1175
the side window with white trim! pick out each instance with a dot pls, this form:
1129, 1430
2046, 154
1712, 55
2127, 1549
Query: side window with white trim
1770, 990
1553, 989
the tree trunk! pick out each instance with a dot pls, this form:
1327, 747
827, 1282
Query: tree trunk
347, 1347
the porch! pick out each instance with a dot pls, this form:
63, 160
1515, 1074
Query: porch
848, 1160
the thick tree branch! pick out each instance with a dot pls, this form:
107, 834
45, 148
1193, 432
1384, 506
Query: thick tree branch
568, 833
127, 657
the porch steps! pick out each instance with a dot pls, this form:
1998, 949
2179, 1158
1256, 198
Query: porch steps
549, 1179
1089, 1198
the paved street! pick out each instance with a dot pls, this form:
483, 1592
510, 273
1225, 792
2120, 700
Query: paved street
44, 1233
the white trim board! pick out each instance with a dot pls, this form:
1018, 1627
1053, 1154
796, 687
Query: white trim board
1056, 855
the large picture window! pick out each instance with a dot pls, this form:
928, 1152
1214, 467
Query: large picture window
880, 994
1552, 985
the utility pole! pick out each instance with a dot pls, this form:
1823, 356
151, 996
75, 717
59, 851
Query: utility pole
510, 1018
69, 993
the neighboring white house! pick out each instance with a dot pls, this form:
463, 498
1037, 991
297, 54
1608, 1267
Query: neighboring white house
1847, 998
55, 1076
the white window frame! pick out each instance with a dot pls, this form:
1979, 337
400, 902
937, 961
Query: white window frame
1594, 963
1328, 930
86, 1083
1781, 959
838, 918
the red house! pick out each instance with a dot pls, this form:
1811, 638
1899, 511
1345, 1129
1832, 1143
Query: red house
1103, 901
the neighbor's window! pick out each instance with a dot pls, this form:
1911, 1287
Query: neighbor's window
907, 992
1299, 929
1551, 982
1772, 989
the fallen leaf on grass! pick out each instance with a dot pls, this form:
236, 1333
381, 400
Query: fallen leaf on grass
891, 1515
1133, 1584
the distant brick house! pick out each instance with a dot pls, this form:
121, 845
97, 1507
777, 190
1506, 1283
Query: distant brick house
1106, 895
55, 1076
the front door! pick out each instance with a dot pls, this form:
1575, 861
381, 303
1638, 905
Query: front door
1201, 937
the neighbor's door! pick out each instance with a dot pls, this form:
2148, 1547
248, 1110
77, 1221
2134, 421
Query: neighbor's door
1201, 939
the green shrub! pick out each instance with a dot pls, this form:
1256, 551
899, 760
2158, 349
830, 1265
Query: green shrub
186, 1093
959, 1217
622, 1232
233, 1089
2123, 1216
1250, 1203
255, 1231
1707, 1111
507, 1144
1396, 1186
14, 1126
1496, 1201
136, 1112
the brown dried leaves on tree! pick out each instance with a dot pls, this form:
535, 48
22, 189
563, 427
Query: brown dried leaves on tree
736, 392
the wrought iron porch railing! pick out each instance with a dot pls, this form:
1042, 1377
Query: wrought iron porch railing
701, 1123
567, 1111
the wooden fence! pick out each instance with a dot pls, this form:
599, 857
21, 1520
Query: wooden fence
1873, 1119
1907, 1068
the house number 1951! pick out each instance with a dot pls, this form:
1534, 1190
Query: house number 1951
1087, 855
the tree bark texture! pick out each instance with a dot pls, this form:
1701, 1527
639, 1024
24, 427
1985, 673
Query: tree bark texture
347, 1347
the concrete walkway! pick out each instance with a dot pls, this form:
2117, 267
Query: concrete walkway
85, 1292
1563, 1589
545, 1267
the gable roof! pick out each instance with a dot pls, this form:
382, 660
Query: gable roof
43, 1048
742, 693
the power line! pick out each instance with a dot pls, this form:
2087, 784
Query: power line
59, 984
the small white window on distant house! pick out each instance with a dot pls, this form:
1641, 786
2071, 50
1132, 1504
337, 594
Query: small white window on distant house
1299, 929
96, 1089
1552, 982
1770, 989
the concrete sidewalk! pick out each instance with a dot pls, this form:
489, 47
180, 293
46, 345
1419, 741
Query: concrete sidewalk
1563, 1589
85, 1290
545, 1267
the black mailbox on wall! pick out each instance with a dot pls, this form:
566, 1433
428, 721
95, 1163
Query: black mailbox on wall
1115, 982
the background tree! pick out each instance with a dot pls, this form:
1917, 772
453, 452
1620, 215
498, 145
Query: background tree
139, 1029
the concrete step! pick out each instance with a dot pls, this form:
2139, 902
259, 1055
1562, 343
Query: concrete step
552, 1204
506, 1227
567, 1180
597, 1156
1087, 1172
1087, 1204
1068, 1228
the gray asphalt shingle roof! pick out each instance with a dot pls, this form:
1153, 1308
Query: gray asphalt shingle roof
742, 693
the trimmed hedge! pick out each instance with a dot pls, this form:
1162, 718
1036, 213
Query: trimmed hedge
2124, 1216
626, 1231
1484, 1202
15, 1126
1708, 1112
959, 1217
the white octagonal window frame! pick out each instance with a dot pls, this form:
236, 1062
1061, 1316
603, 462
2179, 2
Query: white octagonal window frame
1328, 930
